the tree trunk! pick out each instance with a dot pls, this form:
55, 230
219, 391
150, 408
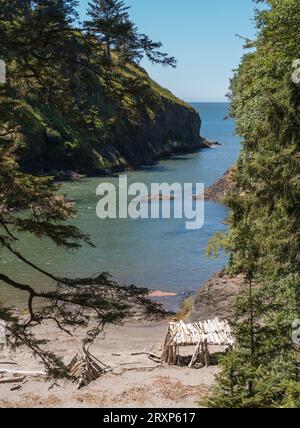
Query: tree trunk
108, 51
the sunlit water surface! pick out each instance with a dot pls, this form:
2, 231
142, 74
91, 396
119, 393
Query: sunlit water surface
158, 254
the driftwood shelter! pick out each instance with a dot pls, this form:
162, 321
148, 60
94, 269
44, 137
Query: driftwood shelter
198, 335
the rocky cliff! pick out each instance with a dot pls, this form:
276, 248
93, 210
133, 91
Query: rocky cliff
218, 191
108, 132
175, 128
216, 298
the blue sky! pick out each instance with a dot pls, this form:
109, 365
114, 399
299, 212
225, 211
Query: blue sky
201, 34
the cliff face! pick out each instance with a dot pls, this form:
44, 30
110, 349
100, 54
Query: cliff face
108, 134
175, 128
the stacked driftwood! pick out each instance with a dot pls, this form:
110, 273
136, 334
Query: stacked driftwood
85, 368
200, 335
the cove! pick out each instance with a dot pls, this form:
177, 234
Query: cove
159, 254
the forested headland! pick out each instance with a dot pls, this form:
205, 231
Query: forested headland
77, 99
78, 95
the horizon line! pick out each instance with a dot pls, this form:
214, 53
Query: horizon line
210, 101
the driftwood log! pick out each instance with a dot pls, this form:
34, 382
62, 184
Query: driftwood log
12, 380
28, 373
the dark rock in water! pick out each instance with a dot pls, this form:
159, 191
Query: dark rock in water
218, 191
161, 197
215, 299
66, 175
211, 144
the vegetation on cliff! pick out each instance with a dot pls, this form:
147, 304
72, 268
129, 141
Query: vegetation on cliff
81, 97
61, 100
263, 239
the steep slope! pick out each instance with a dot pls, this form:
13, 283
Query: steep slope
107, 126
217, 192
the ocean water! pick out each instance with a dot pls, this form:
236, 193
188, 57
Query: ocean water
158, 254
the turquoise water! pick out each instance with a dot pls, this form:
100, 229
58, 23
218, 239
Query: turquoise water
159, 254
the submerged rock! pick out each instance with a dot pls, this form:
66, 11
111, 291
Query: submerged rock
67, 175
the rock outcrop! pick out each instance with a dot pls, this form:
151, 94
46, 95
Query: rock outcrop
175, 129
216, 298
217, 192
108, 134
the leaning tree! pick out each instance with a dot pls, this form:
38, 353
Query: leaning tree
32, 38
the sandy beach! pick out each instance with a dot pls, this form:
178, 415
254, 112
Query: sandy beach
135, 380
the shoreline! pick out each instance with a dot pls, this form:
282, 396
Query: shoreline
134, 380
62, 176
218, 191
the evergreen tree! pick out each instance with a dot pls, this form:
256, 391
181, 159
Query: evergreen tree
33, 37
74, 302
110, 23
40, 47
263, 238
